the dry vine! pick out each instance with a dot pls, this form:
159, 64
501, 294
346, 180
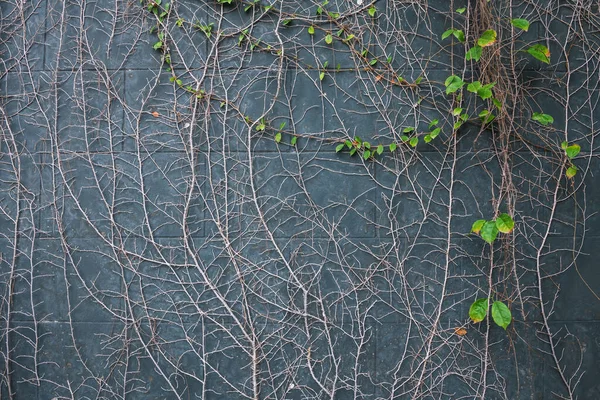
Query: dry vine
176, 222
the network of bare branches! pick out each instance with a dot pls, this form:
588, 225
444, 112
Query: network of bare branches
176, 223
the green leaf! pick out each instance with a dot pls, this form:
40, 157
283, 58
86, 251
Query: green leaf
542, 118
497, 103
414, 141
520, 23
367, 154
179, 82
489, 231
339, 147
404, 138
473, 87
540, 52
501, 314
419, 79
434, 133
372, 10
456, 112
278, 137
158, 45
427, 138
282, 125
477, 225
461, 10
453, 83
294, 140
505, 223
486, 91
367, 145
478, 310
447, 34
380, 149
571, 171
329, 38
322, 76
349, 37
572, 150
474, 53
311, 30
393, 147
460, 35
353, 151
408, 129
487, 38
434, 123
373, 61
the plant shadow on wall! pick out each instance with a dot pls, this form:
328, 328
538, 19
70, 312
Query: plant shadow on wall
307, 199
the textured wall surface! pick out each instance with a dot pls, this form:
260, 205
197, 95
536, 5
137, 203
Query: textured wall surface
175, 221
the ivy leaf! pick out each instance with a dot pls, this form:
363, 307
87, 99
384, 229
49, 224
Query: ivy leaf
414, 141
339, 147
434, 133
278, 137
348, 144
372, 10
461, 10
322, 76
505, 223
460, 35
478, 310
542, 118
453, 84
158, 45
447, 34
434, 123
427, 138
353, 151
520, 23
408, 129
294, 140
418, 80
380, 149
540, 52
477, 225
489, 231
501, 314
393, 147
329, 38
311, 30
473, 87
486, 91
572, 150
474, 53
404, 138
487, 38
367, 154
571, 171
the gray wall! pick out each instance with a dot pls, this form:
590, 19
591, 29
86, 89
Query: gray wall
156, 245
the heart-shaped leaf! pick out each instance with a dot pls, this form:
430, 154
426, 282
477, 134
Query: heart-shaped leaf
453, 83
478, 310
489, 231
520, 23
540, 52
487, 38
477, 225
542, 118
501, 314
505, 223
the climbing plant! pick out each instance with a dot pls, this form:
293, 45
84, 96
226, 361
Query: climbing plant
294, 199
